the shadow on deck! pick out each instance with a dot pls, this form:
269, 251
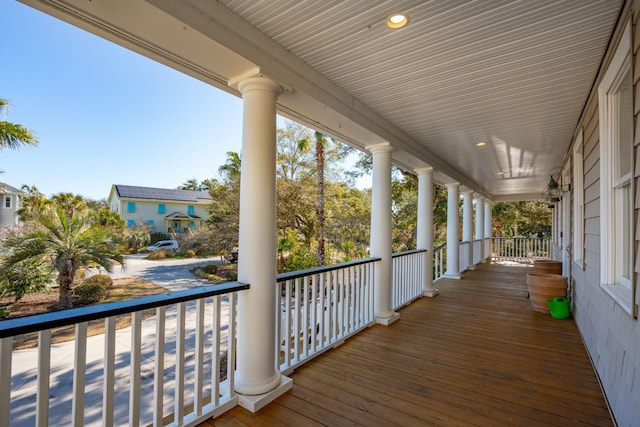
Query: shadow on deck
474, 355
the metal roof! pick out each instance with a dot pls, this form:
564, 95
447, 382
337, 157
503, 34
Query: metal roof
133, 192
6, 188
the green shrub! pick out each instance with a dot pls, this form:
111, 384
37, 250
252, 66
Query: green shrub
5, 312
190, 253
103, 279
89, 293
157, 255
210, 269
27, 277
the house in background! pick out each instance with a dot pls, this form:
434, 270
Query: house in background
164, 210
10, 199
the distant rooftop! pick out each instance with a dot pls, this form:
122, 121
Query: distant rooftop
6, 188
133, 192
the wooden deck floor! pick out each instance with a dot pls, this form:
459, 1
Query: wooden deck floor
474, 355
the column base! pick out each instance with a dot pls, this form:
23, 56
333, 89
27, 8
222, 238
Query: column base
432, 293
386, 321
259, 401
452, 276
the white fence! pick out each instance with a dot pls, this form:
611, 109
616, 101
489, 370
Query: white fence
408, 273
520, 249
166, 364
319, 308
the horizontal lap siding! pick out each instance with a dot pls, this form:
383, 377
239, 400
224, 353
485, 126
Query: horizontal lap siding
612, 336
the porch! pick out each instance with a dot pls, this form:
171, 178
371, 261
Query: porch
475, 355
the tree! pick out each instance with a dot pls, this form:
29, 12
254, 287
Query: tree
320, 141
34, 204
13, 135
70, 202
67, 241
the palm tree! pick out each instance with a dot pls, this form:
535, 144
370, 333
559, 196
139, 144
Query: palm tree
67, 241
70, 202
320, 206
13, 135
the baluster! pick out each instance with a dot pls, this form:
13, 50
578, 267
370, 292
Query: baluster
109, 370
231, 346
158, 380
6, 352
79, 371
134, 385
215, 352
178, 411
198, 386
44, 362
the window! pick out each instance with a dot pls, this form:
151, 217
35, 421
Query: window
190, 210
131, 223
150, 222
615, 96
131, 207
7, 202
192, 224
161, 208
578, 202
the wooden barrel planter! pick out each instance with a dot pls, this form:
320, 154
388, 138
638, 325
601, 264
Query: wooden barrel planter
543, 287
547, 266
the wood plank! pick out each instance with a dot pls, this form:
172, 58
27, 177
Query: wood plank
477, 354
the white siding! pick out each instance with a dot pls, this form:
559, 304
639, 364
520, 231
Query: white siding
612, 336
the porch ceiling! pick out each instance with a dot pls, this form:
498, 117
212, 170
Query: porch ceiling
513, 74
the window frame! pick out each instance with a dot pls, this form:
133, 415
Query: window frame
578, 201
131, 207
162, 208
612, 214
191, 210
6, 199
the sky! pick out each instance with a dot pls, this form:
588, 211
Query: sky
104, 115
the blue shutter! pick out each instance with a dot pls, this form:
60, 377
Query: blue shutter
150, 222
192, 224
190, 210
161, 208
131, 223
131, 207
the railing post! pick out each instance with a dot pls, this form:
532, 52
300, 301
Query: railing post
6, 349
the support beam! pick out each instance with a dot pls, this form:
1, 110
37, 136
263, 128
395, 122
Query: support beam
381, 232
453, 235
467, 228
480, 226
425, 227
488, 224
257, 379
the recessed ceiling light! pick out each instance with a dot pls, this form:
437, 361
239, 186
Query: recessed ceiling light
481, 144
397, 20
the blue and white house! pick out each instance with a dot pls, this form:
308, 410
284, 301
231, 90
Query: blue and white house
162, 209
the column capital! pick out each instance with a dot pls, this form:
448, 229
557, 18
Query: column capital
423, 171
382, 147
452, 184
257, 82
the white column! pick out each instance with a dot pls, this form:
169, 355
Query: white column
480, 225
467, 228
381, 232
453, 238
256, 342
425, 227
488, 221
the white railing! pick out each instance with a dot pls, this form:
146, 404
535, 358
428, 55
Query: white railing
487, 247
477, 248
321, 307
164, 369
463, 253
521, 249
408, 271
439, 261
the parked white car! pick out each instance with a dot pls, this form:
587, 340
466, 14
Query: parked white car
171, 245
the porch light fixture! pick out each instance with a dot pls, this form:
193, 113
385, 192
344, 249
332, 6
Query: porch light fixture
397, 20
552, 193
